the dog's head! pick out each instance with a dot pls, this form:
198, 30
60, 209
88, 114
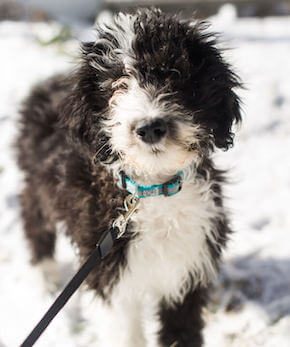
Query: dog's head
153, 93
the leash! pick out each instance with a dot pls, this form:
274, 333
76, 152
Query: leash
102, 249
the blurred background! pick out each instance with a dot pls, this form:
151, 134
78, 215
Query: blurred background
250, 303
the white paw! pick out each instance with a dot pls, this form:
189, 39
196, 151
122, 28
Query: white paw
51, 275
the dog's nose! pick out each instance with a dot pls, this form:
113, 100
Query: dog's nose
153, 132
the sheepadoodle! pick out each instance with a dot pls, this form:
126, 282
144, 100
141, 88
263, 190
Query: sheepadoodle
142, 114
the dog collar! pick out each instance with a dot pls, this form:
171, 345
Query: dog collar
168, 188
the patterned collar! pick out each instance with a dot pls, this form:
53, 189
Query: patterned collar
168, 188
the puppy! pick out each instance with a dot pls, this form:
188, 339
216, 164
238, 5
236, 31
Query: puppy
150, 102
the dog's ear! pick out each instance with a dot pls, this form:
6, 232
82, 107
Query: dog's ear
86, 104
214, 84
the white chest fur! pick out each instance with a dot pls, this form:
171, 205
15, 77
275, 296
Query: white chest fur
170, 243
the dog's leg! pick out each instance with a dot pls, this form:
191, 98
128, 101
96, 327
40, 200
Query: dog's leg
119, 324
39, 233
151, 320
181, 323
41, 236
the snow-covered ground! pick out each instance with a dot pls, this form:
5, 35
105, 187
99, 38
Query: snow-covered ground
251, 301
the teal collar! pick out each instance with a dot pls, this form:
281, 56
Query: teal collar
168, 188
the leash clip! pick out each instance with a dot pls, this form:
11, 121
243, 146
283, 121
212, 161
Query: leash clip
131, 204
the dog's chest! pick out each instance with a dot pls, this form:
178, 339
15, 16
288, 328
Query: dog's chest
170, 243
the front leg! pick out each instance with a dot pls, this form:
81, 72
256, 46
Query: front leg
181, 323
119, 323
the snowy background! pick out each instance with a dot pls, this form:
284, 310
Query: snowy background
251, 301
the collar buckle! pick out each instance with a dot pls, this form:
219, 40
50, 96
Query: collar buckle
175, 182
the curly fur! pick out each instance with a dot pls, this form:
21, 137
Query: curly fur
78, 132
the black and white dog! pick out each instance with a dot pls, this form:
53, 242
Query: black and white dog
152, 99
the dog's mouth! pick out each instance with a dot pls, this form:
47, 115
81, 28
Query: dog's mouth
155, 151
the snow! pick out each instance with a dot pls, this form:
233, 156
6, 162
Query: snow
251, 300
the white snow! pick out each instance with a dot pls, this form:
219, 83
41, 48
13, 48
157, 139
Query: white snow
251, 301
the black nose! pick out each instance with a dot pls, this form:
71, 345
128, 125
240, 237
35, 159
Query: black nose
153, 132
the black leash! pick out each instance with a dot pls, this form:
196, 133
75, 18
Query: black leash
103, 247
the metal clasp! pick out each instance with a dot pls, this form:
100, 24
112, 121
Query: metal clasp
131, 204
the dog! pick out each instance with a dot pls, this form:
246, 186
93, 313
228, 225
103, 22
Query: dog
150, 102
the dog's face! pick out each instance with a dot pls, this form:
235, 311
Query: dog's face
155, 94
151, 131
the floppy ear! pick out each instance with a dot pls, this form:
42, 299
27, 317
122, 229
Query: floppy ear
86, 105
214, 85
